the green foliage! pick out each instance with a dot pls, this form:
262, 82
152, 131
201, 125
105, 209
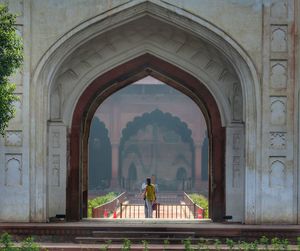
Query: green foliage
187, 244
201, 201
253, 245
7, 110
285, 244
6, 242
29, 245
11, 58
11, 48
230, 244
166, 243
245, 246
264, 241
126, 245
98, 201
276, 243
217, 245
298, 243
107, 244
145, 243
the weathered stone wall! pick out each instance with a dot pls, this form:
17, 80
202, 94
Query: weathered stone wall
264, 32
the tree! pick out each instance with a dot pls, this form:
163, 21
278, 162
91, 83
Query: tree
11, 58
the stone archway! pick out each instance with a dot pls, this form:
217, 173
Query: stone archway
188, 44
160, 144
122, 76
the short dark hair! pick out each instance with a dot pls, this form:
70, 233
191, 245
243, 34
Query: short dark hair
148, 180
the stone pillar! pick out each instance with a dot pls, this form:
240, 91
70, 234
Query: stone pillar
278, 172
114, 184
57, 169
235, 171
198, 165
115, 143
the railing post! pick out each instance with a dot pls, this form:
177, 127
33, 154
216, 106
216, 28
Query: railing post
121, 210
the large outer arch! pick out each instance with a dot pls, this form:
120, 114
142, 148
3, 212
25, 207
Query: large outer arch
115, 79
47, 68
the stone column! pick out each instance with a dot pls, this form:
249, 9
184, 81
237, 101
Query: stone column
235, 163
198, 165
278, 170
57, 168
114, 184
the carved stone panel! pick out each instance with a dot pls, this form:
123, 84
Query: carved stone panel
279, 9
236, 164
278, 74
278, 110
279, 42
55, 139
277, 173
237, 102
236, 139
278, 140
55, 170
13, 170
13, 138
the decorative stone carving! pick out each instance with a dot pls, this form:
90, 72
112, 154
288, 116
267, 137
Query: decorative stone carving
277, 173
279, 9
278, 110
236, 139
236, 179
13, 138
103, 48
237, 102
278, 74
55, 139
278, 140
13, 170
55, 170
279, 41
214, 68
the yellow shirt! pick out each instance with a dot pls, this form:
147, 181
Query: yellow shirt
150, 192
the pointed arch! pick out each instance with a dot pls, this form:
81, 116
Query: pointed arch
46, 74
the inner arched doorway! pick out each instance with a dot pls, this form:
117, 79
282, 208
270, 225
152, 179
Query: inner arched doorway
161, 145
119, 77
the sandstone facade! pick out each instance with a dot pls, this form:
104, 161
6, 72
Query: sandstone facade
244, 53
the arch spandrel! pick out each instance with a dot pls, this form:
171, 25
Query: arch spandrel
161, 39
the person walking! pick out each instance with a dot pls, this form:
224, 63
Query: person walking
143, 189
150, 197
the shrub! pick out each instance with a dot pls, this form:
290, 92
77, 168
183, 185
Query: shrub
29, 245
6, 242
201, 201
98, 201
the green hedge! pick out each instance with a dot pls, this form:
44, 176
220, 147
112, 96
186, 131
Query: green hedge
201, 201
98, 201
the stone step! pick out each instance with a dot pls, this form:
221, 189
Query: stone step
143, 233
134, 240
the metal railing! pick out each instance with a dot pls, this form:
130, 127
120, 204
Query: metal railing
109, 207
198, 211
164, 211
